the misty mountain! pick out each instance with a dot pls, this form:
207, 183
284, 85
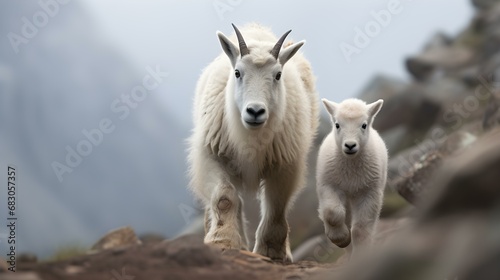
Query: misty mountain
64, 80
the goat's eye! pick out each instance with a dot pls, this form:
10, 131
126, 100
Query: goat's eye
237, 73
363, 126
278, 76
337, 125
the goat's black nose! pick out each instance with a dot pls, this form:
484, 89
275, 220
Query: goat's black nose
255, 110
350, 147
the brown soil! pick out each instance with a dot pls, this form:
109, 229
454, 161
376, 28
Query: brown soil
183, 258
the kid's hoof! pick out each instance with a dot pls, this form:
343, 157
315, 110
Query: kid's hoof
339, 236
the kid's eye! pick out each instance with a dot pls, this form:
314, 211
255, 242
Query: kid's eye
278, 76
364, 126
337, 125
237, 73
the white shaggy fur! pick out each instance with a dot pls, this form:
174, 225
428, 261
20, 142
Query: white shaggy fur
351, 173
229, 153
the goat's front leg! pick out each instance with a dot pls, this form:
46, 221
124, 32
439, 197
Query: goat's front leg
334, 211
224, 221
272, 233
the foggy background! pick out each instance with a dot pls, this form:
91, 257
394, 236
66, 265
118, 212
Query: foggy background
88, 54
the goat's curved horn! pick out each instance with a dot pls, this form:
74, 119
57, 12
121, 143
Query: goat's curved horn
276, 50
243, 46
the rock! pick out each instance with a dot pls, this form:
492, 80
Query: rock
394, 137
484, 4
411, 185
491, 115
411, 107
73, 269
445, 91
321, 249
490, 73
387, 229
412, 110
423, 65
438, 40
419, 68
121, 237
487, 24
469, 76
27, 258
3, 265
20, 276
381, 87
411, 170
151, 238
395, 205
470, 179
318, 249
188, 251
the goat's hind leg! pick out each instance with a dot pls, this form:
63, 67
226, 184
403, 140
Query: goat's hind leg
366, 211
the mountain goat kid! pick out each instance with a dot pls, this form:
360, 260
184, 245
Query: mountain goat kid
351, 173
255, 117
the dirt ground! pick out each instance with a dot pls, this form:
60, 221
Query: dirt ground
183, 258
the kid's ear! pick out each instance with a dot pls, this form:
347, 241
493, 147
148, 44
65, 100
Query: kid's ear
330, 106
374, 108
229, 48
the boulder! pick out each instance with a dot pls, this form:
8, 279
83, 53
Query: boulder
412, 109
423, 66
411, 170
492, 115
188, 251
151, 238
121, 237
321, 249
318, 249
3, 265
487, 23
469, 180
485, 4
438, 40
382, 87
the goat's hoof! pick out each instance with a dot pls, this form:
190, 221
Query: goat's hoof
226, 244
340, 236
276, 255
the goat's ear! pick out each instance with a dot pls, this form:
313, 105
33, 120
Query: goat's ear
289, 52
229, 48
374, 108
330, 106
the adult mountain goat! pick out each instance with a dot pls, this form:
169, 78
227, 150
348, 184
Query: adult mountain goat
255, 117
